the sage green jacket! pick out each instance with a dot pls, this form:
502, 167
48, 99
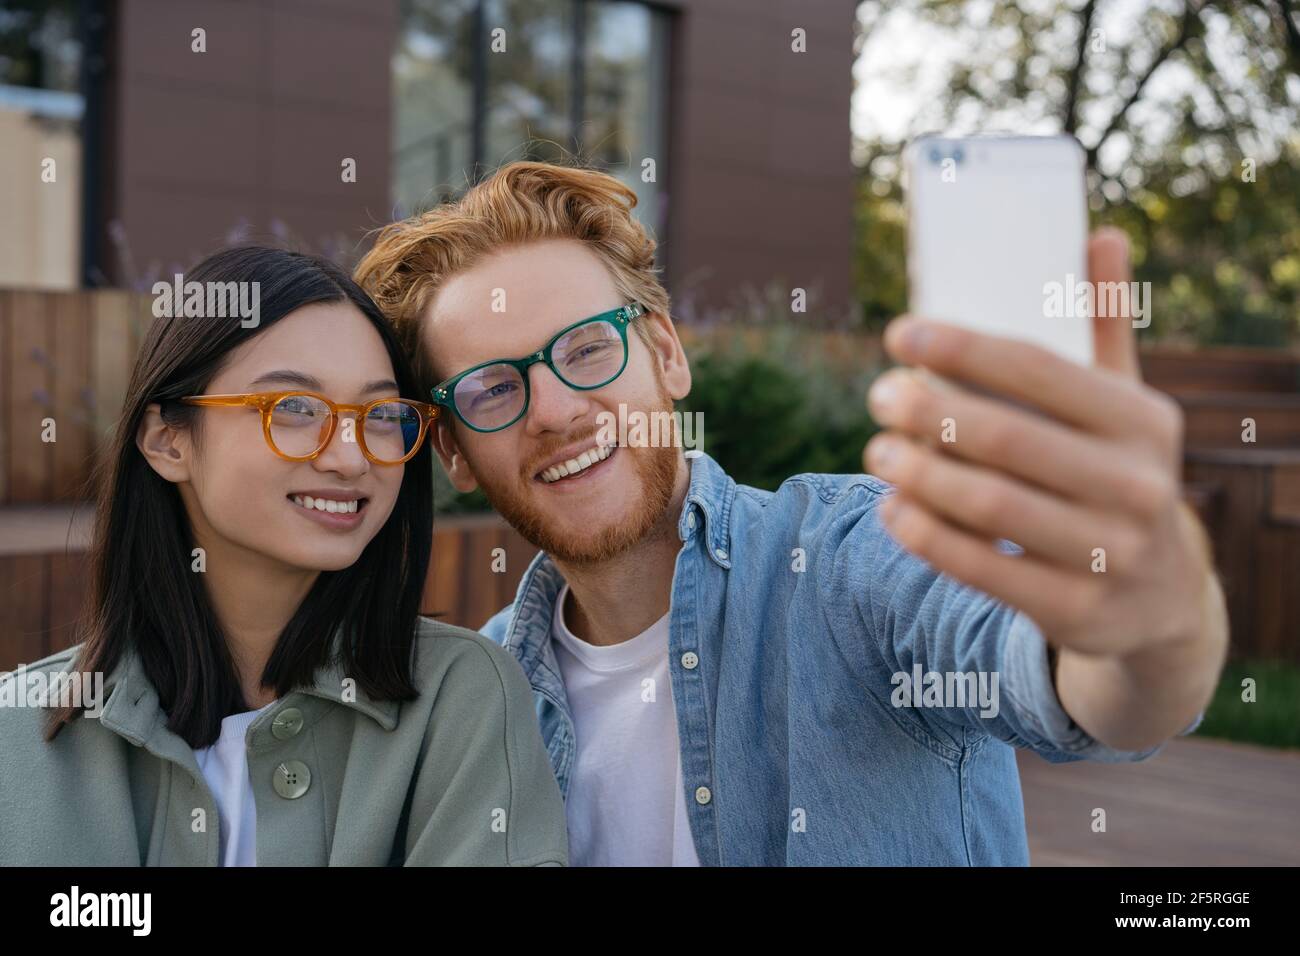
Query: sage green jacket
458, 776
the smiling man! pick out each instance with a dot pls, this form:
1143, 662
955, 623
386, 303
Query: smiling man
708, 696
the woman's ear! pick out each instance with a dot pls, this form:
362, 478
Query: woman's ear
453, 459
167, 449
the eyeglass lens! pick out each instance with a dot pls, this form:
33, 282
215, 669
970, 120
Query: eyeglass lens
299, 424
586, 357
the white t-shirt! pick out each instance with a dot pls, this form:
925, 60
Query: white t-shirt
626, 805
225, 768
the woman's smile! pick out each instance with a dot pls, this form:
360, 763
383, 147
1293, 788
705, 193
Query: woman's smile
336, 510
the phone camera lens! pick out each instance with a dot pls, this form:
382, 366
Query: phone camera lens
934, 155
958, 155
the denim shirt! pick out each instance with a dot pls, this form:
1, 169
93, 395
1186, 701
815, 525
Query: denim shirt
791, 613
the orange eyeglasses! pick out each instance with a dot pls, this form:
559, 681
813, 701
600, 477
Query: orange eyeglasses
299, 425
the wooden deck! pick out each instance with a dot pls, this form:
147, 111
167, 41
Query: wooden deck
1199, 802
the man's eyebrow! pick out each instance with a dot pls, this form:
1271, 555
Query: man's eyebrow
545, 341
303, 380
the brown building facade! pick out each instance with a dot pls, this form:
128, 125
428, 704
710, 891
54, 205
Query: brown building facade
209, 122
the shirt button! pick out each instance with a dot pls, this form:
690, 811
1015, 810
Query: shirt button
703, 795
689, 660
722, 555
287, 723
291, 779
690, 519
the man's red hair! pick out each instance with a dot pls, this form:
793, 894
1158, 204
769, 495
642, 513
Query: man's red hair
519, 203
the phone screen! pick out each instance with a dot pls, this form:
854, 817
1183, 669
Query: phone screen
997, 238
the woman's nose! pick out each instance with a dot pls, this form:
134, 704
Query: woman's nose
343, 453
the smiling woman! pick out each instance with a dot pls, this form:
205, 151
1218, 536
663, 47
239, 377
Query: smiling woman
263, 537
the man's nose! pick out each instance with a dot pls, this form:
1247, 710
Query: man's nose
552, 405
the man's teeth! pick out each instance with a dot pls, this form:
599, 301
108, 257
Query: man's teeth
575, 465
327, 504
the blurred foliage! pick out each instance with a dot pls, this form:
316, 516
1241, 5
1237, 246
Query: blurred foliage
880, 252
1178, 103
1224, 261
447, 500
1271, 720
772, 408
39, 46
141, 277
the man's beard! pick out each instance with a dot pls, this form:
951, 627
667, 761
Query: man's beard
655, 466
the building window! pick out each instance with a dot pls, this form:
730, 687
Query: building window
625, 82
433, 94
575, 76
41, 108
529, 83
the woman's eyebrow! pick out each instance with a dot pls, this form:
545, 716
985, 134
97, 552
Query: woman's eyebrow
303, 380
288, 376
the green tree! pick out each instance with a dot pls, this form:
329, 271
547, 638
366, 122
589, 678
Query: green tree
1188, 112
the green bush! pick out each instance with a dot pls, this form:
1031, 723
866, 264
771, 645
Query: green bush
774, 411
1271, 720
448, 501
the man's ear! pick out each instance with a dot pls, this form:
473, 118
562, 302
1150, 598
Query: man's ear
443, 436
165, 448
666, 349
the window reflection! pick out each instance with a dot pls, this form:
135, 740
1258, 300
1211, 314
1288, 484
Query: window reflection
529, 79
554, 78
625, 90
433, 103
41, 111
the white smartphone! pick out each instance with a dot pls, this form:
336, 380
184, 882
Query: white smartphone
997, 237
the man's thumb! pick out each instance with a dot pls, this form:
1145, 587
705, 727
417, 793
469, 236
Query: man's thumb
1113, 337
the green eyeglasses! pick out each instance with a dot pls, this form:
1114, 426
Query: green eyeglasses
585, 355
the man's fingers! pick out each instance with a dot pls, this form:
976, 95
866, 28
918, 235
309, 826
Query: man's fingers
1070, 463
1053, 598
1113, 337
987, 431
1095, 399
993, 505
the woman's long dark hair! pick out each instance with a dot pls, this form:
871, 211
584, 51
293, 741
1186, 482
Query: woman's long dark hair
143, 593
